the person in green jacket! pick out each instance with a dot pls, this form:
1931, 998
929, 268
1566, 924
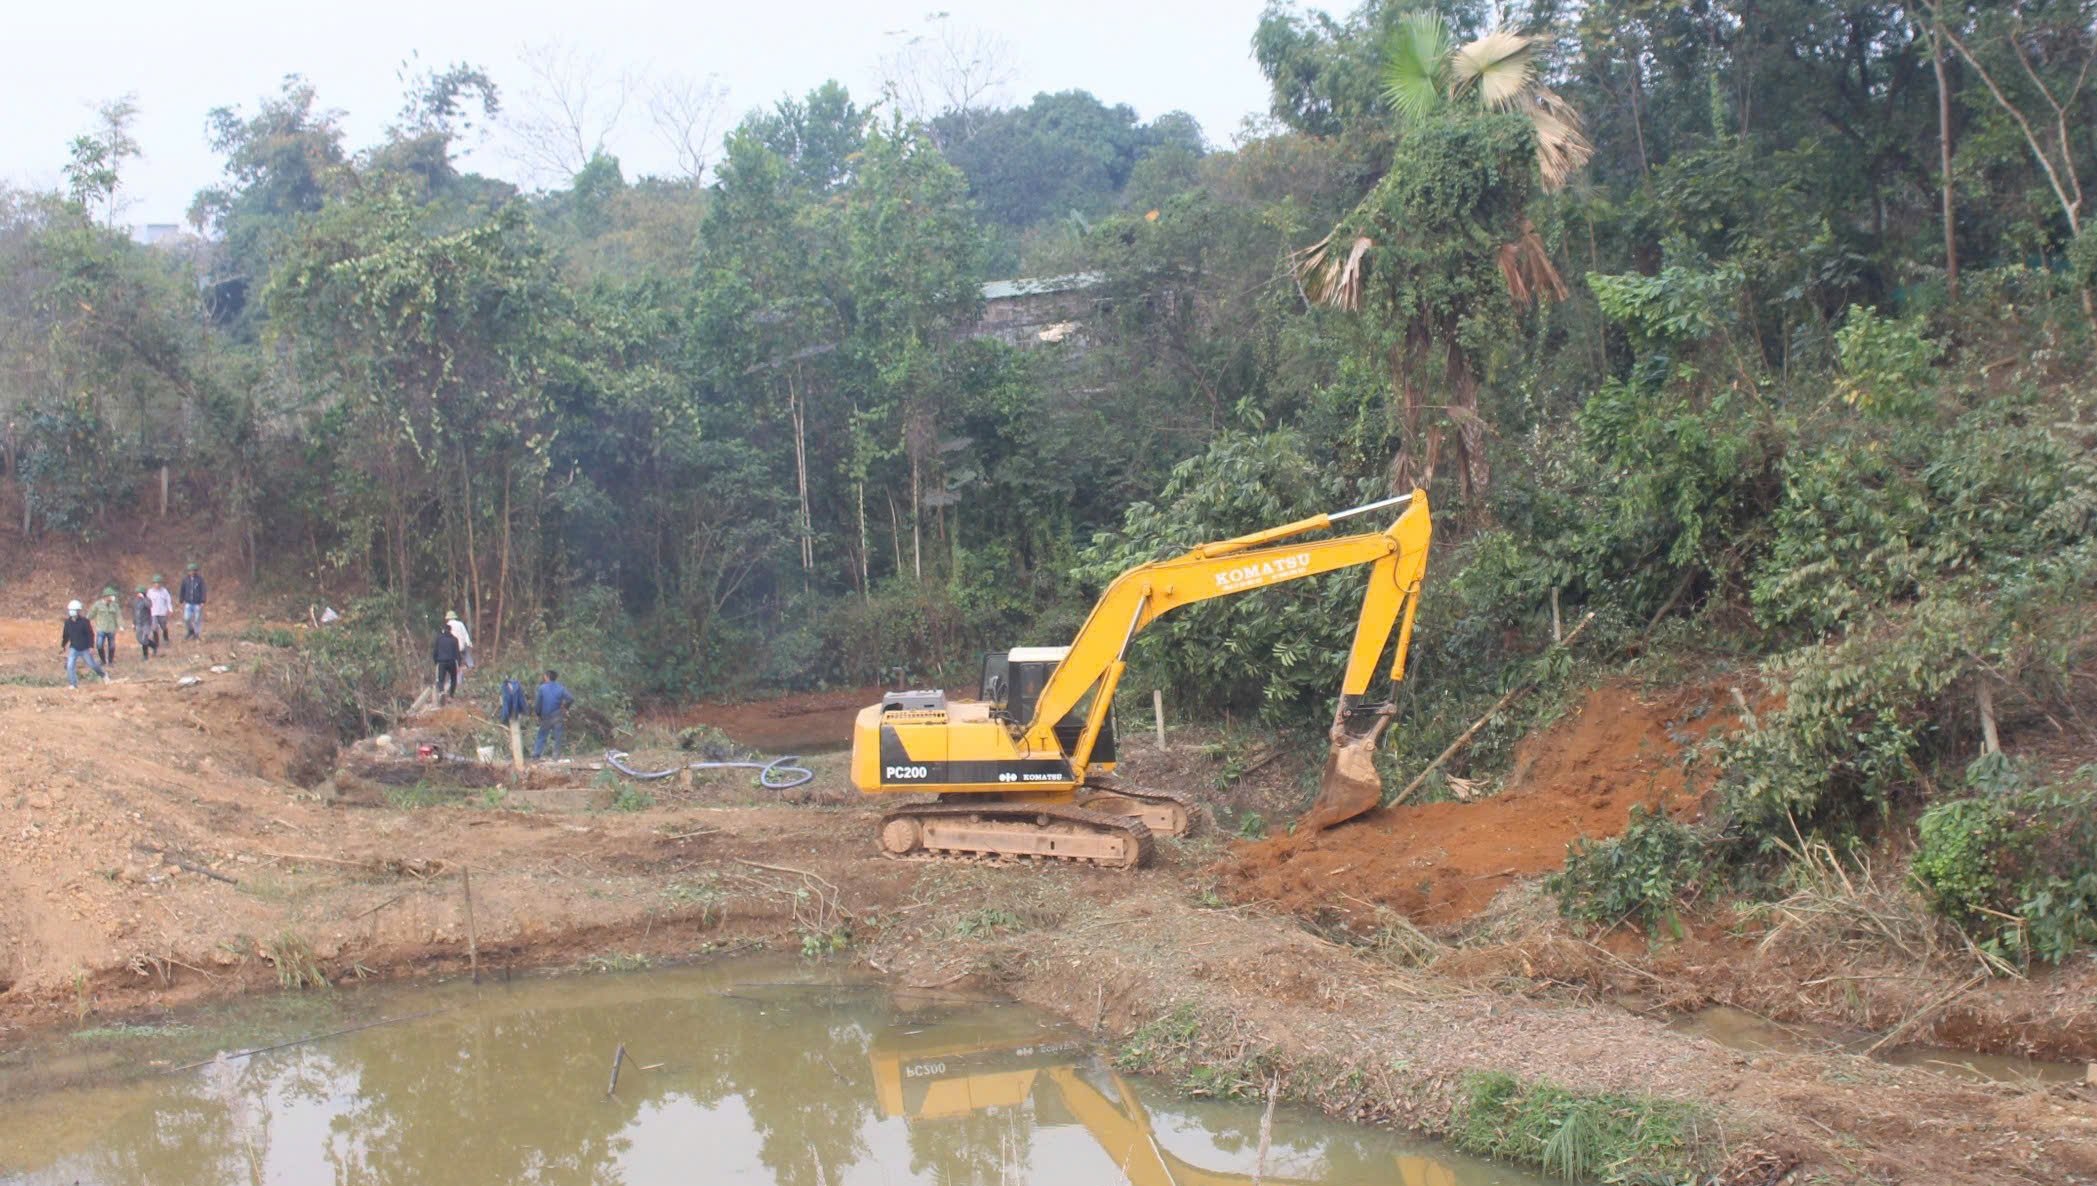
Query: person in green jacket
107, 616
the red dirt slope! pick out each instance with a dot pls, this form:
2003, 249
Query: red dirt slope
1443, 862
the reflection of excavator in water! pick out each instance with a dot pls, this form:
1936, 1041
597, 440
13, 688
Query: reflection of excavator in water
1026, 771
935, 1075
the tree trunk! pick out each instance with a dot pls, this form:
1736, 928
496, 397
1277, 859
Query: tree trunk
502, 568
1951, 238
865, 572
917, 514
473, 555
895, 531
807, 523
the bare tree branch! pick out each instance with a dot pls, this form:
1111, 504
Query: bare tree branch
947, 69
563, 118
687, 116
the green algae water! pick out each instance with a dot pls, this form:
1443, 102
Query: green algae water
734, 1072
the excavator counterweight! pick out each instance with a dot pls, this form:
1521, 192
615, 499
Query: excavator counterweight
1026, 770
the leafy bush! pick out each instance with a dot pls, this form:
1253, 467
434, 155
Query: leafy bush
1611, 1136
1643, 874
68, 466
347, 678
1885, 363
2021, 866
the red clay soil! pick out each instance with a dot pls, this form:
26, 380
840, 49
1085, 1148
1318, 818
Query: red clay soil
1441, 863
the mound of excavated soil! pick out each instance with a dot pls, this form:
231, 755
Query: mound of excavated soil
1443, 862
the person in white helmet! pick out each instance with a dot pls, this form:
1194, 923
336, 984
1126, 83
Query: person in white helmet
458, 631
79, 642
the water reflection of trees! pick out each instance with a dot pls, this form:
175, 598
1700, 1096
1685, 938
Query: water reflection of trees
515, 1097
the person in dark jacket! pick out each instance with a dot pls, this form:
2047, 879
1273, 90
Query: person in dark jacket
192, 596
552, 707
444, 652
142, 625
79, 642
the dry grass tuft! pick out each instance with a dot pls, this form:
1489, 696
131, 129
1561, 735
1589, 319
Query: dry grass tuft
1837, 912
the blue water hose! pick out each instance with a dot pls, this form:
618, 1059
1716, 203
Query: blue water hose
779, 774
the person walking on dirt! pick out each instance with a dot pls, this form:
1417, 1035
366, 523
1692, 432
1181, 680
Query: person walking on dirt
163, 608
458, 631
142, 624
106, 615
192, 594
444, 652
79, 642
552, 709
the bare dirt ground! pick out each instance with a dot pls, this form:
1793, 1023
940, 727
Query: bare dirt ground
157, 847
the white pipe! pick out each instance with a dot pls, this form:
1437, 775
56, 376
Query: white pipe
1365, 508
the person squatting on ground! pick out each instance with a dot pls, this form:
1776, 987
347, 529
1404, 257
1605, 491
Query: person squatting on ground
552, 709
444, 652
163, 608
192, 594
79, 642
106, 614
142, 625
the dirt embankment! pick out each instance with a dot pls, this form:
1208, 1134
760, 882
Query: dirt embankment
1442, 863
154, 849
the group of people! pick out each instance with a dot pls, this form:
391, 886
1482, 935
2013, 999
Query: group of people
452, 650
91, 632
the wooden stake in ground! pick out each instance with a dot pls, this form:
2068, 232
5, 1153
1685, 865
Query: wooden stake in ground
618, 1057
473, 942
1157, 711
517, 748
1465, 736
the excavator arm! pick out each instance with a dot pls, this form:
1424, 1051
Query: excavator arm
1397, 561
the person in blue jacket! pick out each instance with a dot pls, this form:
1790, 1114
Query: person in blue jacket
552, 710
512, 701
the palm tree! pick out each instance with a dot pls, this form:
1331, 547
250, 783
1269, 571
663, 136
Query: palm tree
1430, 80
1424, 69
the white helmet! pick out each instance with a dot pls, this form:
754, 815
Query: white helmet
72, 607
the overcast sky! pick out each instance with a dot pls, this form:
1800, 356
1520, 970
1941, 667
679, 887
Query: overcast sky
181, 60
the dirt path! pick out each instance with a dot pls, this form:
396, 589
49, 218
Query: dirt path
154, 852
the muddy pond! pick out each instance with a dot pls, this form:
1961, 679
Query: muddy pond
733, 1072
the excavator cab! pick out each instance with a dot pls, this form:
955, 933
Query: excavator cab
1012, 685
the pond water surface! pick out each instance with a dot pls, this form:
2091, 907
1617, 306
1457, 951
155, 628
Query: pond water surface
734, 1072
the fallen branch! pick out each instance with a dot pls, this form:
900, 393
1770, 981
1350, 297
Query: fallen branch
185, 865
1925, 1013
1464, 738
314, 1038
787, 869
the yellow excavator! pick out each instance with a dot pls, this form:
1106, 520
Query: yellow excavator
1026, 771
931, 1075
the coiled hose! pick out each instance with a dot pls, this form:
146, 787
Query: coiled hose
779, 774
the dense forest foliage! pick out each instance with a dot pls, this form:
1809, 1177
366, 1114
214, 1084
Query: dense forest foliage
1760, 331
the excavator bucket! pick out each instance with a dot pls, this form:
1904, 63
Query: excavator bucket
1350, 785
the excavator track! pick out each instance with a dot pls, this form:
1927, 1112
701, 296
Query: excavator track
1165, 813
1025, 831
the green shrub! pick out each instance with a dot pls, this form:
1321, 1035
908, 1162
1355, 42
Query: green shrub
1643, 874
1610, 1137
2019, 866
348, 678
1885, 363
